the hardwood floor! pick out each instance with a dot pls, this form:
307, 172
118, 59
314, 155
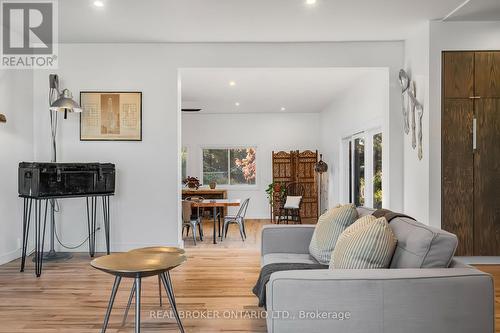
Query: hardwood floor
72, 297
217, 280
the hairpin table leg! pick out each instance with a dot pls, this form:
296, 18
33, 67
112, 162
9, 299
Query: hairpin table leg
26, 229
105, 211
39, 235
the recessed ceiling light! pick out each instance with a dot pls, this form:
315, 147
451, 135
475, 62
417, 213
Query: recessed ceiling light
283, 108
232, 83
98, 3
237, 103
310, 2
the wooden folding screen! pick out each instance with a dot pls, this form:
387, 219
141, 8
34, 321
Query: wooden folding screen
295, 166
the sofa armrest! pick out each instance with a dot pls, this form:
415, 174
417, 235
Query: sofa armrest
286, 238
457, 300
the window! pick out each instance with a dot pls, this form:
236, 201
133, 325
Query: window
362, 173
229, 166
184, 163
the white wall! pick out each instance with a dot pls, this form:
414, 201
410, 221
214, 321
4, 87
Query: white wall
16, 145
362, 107
416, 172
267, 132
449, 36
145, 209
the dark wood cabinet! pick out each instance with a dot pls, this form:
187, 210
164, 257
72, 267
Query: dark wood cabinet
458, 172
487, 74
458, 74
470, 142
487, 178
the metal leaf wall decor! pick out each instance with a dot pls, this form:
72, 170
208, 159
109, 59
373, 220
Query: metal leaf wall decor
412, 108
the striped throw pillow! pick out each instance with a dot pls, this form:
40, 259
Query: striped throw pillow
367, 243
330, 225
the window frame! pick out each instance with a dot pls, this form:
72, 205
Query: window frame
229, 147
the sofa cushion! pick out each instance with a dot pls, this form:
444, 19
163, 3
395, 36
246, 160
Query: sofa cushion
299, 258
421, 246
362, 211
368, 243
330, 225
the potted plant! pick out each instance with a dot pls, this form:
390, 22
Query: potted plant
274, 187
212, 183
192, 182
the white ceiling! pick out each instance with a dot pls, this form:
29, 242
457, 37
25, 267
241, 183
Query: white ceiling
477, 10
252, 20
260, 90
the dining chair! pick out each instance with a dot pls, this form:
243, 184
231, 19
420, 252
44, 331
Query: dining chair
190, 221
238, 219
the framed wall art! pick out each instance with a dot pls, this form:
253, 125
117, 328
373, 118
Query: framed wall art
111, 116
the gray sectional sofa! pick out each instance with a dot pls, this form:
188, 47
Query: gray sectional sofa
415, 295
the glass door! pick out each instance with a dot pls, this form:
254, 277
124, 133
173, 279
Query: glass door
362, 174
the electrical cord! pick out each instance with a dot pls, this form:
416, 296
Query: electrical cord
28, 253
73, 247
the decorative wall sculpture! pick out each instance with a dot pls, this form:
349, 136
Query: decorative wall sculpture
412, 108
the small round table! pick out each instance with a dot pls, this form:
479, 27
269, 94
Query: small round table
154, 250
138, 265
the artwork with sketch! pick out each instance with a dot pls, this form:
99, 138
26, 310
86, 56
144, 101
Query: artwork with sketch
412, 109
111, 116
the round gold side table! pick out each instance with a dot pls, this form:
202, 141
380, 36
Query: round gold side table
138, 265
154, 250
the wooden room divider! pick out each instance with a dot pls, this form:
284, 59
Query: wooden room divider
298, 167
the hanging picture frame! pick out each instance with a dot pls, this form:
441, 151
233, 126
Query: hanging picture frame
111, 116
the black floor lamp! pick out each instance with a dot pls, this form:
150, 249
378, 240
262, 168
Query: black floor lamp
59, 101
320, 167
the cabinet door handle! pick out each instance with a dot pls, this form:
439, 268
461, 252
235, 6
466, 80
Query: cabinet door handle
474, 134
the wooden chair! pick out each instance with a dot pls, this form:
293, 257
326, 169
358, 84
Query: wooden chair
288, 212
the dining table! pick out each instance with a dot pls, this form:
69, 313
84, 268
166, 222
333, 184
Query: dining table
216, 205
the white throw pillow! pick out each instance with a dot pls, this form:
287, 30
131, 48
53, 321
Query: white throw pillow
292, 202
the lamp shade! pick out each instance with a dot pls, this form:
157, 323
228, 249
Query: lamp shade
321, 166
2, 118
65, 103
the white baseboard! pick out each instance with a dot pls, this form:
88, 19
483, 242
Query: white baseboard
485, 260
121, 247
8, 257
115, 247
